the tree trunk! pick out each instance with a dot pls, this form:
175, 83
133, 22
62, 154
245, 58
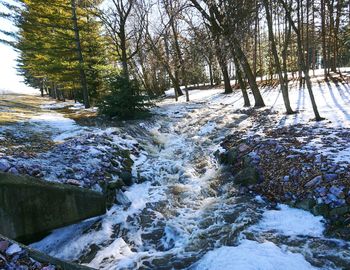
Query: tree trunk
242, 83
259, 102
124, 56
223, 65
302, 64
211, 73
283, 84
323, 34
80, 56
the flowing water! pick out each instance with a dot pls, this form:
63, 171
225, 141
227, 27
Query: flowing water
186, 213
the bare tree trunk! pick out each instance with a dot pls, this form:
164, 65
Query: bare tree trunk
223, 65
283, 84
210, 72
302, 61
242, 83
179, 55
323, 34
259, 102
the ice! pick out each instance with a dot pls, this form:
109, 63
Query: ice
291, 222
251, 255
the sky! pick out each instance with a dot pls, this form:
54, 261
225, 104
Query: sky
9, 80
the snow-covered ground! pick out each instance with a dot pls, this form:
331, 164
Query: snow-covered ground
187, 213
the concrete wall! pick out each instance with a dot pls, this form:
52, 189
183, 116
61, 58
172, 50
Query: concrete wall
29, 207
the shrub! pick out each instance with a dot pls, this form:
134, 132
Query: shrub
124, 99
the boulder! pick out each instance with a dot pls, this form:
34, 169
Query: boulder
306, 204
122, 199
229, 157
340, 211
126, 177
321, 210
247, 176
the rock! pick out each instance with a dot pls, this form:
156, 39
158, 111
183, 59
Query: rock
35, 172
50, 267
330, 198
322, 191
336, 190
314, 182
229, 157
243, 147
73, 182
3, 245
126, 177
321, 209
4, 165
340, 211
292, 156
247, 176
279, 148
286, 178
330, 176
116, 184
306, 204
13, 249
13, 170
122, 199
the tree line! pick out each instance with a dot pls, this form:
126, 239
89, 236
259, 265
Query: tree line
77, 48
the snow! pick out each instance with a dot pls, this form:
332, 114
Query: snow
115, 251
65, 127
251, 255
54, 105
207, 128
291, 222
71, 105
191, 132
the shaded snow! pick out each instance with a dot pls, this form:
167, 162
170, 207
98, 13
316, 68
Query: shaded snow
291, 222
251, 255
168, 164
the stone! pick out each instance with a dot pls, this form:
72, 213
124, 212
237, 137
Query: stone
330, 176
4, 165
314, 182
247, 176
126, 177
340, 211
13, 249
122, 199
243, 147
279, 148
73, 182
335, 190
306, 204
286, 178
229, 157
13, 170
4, 245
321, 209
116, 184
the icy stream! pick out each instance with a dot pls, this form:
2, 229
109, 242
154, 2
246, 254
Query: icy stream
187, 214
